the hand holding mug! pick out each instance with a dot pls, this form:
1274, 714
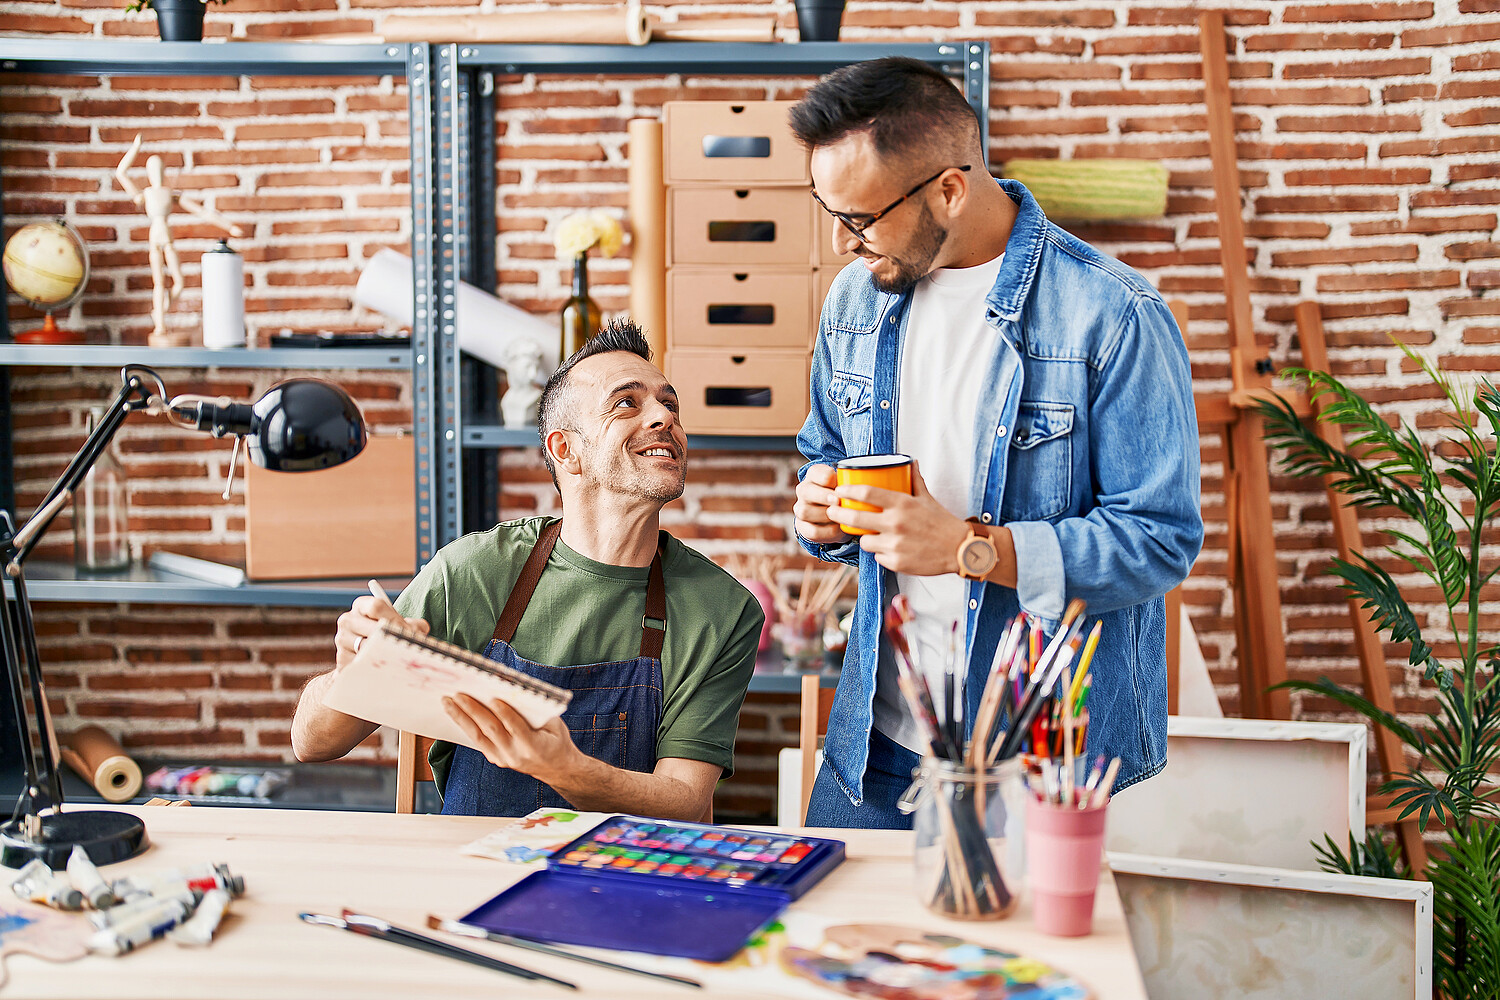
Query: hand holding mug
907, 533
814, 496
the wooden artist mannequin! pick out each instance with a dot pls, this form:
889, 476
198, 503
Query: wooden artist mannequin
157, 201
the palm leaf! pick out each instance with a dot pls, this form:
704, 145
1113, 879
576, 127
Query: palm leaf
1379, 595
1351, 699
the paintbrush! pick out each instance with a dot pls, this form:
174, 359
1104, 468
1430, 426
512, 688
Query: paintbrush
1036, 697
470, 931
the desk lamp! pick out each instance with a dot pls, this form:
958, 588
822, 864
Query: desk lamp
298, 425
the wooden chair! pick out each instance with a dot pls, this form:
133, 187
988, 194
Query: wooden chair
817, 701
411, 767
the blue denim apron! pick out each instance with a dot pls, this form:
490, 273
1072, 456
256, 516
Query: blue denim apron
613, 716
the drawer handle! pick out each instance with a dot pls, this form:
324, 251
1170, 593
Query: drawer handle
738, 359
737, 396
742, 193
737, 146
747, 231
741, 277
742, 315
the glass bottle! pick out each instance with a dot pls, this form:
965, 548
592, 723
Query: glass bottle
101, 513
580, 314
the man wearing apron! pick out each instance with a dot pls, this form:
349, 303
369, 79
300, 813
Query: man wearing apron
655, 642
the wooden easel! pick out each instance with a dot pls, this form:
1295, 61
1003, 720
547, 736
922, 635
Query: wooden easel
1252, 543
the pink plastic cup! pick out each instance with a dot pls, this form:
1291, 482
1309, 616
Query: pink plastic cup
1064, 848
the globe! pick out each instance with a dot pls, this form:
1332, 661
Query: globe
47, 265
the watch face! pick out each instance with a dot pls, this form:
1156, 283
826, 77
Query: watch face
977, 557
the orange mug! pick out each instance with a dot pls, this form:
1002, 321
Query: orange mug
887, 472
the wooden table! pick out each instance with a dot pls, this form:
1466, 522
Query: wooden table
402, 868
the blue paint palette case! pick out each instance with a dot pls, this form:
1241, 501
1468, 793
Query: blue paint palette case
661, 887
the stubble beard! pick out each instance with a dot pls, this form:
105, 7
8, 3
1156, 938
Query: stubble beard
915, 263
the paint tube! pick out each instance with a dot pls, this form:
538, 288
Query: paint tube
87, 880
198, 930
202, 878
118, 916
37, 884
147, 926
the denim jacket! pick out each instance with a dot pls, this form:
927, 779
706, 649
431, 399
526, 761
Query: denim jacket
1087, 452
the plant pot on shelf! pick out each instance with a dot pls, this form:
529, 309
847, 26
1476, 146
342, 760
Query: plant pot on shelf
818, 20
179, 20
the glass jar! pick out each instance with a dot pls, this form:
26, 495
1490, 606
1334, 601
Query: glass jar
101, 512
580, 315
801, 637
970, 838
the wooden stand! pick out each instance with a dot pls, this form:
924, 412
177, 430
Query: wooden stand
1252, 543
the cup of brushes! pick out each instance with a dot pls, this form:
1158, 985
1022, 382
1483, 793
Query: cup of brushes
1026, 741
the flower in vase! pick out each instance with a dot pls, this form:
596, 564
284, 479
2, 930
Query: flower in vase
582, 231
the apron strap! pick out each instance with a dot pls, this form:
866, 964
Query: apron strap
520, 594
653, 623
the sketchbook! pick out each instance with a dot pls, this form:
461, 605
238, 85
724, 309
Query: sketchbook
399, 679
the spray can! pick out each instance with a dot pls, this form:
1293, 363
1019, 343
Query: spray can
223, 297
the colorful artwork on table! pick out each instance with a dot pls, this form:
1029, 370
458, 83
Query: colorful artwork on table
884, 961
532, 839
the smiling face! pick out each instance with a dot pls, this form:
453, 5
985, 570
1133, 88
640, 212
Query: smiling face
622, 435
902, 247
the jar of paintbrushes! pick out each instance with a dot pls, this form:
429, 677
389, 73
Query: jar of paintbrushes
970, 844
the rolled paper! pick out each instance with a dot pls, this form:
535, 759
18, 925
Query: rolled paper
625, 25
721, 29
486, 327
648, 229
103, 763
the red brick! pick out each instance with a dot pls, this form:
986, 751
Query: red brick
1400, 93
1448, 198
1459, 34
1473, 116
1323, 41
1473, 171
1363, 69
1351, 123
1472, 251
1269, 204
1476, 62
126, 708
1189, 16
1463, 90
1442, 147
1343, 255
1124, 45
1384, 282
1345, 12
1239, 69
1358, 175
1270, 96
1425, 224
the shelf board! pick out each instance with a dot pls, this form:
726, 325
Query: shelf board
496, 436
53, 581
149, 57
771, 681
106, 356
702, 57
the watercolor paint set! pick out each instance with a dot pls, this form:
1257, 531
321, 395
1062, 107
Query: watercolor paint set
666, 888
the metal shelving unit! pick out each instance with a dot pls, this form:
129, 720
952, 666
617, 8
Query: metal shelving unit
467, 92
413, 63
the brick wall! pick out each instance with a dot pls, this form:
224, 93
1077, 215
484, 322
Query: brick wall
1368, 141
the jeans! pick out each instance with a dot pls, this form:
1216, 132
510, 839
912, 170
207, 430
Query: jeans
887, 778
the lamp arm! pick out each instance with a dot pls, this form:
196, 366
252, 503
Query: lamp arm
43, 789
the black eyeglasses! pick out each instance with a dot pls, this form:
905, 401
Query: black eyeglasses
860, 221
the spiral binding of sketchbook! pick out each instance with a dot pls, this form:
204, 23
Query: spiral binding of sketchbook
399, 678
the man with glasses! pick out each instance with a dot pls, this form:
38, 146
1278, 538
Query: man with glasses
1043, 391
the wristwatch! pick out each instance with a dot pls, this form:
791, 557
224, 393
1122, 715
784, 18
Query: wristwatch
976, 553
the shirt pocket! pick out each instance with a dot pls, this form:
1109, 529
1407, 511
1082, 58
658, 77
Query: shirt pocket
1039, 481
850, 396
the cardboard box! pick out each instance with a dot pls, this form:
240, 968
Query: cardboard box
739, 227
742, 392
757, 308
358, 519
826, 255
722, 142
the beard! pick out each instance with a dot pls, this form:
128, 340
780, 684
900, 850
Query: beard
915, 261
634, 476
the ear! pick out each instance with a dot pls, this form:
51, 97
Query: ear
565, 459
954, 189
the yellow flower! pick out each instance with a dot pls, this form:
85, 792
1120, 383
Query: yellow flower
582, 231
576, 234
611, 236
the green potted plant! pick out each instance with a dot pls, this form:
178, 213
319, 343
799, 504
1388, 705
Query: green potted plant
176, 20
1447, 496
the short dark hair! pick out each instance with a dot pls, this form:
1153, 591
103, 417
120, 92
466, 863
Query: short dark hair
616, 335
902, 102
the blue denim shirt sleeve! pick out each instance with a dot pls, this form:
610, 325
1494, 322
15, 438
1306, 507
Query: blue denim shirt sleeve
821, 443
1145, 532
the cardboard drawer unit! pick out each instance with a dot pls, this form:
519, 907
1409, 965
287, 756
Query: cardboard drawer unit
356, 519
728, 391
756, 309
739, 226
719, 142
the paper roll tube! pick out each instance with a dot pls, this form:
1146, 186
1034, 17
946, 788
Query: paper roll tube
486, 327
102, 762
725, 29
648, 228
626, 25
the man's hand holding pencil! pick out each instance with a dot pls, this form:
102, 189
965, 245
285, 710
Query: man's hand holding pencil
363, 618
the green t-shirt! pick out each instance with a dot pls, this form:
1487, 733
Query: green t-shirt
588, 612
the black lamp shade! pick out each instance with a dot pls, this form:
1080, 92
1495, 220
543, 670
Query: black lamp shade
305, 424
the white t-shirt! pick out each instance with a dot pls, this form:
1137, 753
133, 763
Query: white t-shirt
946, 358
